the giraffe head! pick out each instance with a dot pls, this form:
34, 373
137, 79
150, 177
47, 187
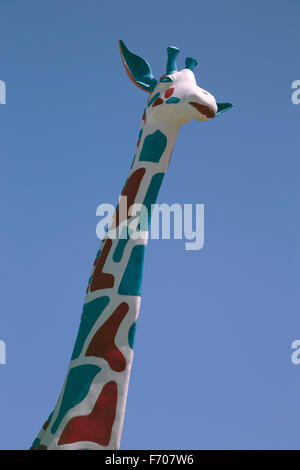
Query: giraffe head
175, 97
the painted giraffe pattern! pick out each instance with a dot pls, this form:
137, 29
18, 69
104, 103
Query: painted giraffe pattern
90, 411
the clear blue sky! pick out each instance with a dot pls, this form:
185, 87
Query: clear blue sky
212, 364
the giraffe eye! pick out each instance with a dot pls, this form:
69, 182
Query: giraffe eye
165, 79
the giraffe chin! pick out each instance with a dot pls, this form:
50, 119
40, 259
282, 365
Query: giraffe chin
205, 110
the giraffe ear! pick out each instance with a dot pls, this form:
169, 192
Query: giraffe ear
138, 70
222, 107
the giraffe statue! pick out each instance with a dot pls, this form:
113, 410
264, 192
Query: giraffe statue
90, 411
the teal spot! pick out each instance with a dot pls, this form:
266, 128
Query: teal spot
90, 280
153, 99
140, 133
131, 335
153, 148
153, 191
91, 311
98, 253
166, 79
36, 442
172, 100
132, 278
77, 387
119, 250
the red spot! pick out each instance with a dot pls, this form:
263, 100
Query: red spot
157, 102
100, 279
130, 190
45, 425
138, 142
163, 76
103, 342
169, 92
97, 426
144, 117
39, 447
205, 110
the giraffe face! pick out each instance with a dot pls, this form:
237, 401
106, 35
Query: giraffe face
175, 98
178, 99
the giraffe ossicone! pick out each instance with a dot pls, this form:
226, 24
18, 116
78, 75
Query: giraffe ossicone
90, 411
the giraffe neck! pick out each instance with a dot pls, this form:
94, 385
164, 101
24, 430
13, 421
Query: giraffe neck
155, 144
153, 152
90, 411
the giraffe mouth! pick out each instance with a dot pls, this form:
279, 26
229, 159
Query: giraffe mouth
205, 110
